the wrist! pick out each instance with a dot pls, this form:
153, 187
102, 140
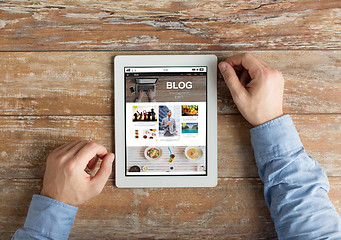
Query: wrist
261, 116
45, 193
269, 119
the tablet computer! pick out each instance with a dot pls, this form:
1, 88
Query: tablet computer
165, 121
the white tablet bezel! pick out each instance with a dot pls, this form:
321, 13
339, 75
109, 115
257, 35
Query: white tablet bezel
123, 181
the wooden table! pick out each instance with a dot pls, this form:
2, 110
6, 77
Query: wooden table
56, 86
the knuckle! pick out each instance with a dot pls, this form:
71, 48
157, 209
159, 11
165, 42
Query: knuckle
70, 167
271, 74
276, 72
267, 74
58, 159
62, 157
85, 141
97, 189
279, 73
92, 144
247, 55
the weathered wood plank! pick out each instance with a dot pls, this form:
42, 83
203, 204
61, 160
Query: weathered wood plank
312, 81
26, 141
169, 25
235, 209
82, 83
55, 83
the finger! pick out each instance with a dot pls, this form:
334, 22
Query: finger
69, 150
73, 144
247, 61
64, 146
73, 150
232, 80
93, 162
88, 151
244, 78
60, 147
103, 172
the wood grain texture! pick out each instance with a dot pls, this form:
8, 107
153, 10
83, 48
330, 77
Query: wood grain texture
50, 98
235, 209
169, 25
26, 141
76, 83
35, 137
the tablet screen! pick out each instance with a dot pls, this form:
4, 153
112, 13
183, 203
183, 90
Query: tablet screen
165, 121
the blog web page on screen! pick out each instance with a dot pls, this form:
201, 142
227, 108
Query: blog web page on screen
165, 125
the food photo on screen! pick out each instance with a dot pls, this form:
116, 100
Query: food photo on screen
166, 159
146, 134
190, 110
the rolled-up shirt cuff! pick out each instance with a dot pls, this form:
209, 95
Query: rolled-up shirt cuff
50, 217
273, 139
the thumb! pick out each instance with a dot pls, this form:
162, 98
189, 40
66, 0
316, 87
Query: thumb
103, 173
232, 80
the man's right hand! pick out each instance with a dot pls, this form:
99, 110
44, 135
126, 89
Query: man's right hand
256, 88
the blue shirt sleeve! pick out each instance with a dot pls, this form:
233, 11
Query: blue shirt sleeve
47, 219
295, 185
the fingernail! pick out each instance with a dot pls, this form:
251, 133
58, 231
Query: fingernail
222, 67
111, 158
